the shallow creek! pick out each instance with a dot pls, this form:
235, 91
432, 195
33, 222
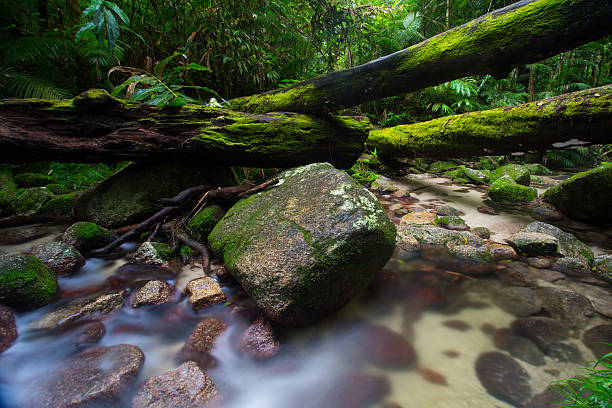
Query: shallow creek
446, 317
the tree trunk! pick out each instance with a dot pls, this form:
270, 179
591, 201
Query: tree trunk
579, 117
96, 127
522, 33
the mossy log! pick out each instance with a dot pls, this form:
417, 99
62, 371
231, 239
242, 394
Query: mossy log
95, 127
582, 117
522, 33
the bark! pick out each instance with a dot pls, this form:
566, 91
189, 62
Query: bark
96, 127
579, 117
522, 33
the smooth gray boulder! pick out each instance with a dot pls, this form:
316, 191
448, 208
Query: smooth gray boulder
306, 247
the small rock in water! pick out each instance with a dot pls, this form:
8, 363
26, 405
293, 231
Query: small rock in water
518, 347
184, 387
259, 340
452, 222
96, 377
457, 325
518, 300
420, 217
564, 353
90, 333
488, 328
356, 391
546, 214
202, 340
571, 308
539, 262
204, 292
451, 353
487, 210
154, 292
62, 258
386, 348
503, 377
482, 232
82, 308
18, 235
152, 253
8, 328
501, 252
569, 245
533, 243
432, 376
541, 330
571, 266
603, 268
596, 338
446, 210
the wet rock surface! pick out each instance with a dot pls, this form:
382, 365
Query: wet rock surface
152, 253
87, 307
26, 282
204, 292
564, 353
93, 378
355, 391
596, 338
569, 307
533, 243
62, 258
154, 292
385, 347
518, 300
518, 347
259, 340
89, 333
8, 328
503, 377
187, 386
541, 330
202, 340
18, 235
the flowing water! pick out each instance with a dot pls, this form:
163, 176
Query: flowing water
446, 317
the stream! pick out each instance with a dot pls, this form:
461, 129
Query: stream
448, 319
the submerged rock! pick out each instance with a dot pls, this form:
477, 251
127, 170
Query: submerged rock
585, 196
597, 339
132, 194
518, 347
89, 333
82, 308
154, 292
384, 347
201, 225
259, 340
571, 308
353, 391
202, 340
187, 386
518, 300
506, 190
503, 377
62, 258
8, 328
204, 292
306, 247
86, 236
565, 353
541, 330
519, 174
96, 377
25, 282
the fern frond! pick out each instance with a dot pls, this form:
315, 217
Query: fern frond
30, 49
21, 85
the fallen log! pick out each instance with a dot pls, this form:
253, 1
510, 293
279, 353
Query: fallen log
522, 33
583, 117
97, 127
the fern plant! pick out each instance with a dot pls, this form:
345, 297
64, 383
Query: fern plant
101, 16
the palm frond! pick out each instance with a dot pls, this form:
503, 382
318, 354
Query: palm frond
22, 85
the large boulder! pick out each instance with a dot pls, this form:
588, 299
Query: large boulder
132, 194
201, 225
25, 282
506, 190
520, 174
306, 247
62, 258
585, 196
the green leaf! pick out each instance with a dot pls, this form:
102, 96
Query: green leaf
83, 30
161, 65
117, 11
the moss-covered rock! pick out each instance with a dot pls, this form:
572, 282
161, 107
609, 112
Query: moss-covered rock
8, 190
58, 189
31, 201
446, 210
537, 168
569, 245
86, 236
440, 166
304, 248
506, 190
602, 269
452, 222
205, 220
482, 232
585, 196
62, 258
476, 176
26, 180
132, 194
534, 243
520, 174
454, 174
152, 253
25, 282
60, 205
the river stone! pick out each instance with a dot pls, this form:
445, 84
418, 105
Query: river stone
603, 268
469, 253
564, 353
86, 307
202, 340
31, 201
89, 333
154, 292
452, 222
598, 339
259, 340
482, 232
8, 328
430, 236
440, 166
384, 347
445, 210
518, 300
533, 243
518, 347
541, 330
585, 196
132, 194
571, 266
152, 253
306, 247
62, 258
184, 387
358, 390
568, 245
419, 217
26, 282
476, 176
500, 252
506, 190
520, 174
537, 168
96, 377
86, 236
204, 292
569, 307
503, 377
60, 205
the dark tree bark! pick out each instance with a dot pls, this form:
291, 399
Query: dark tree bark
582, 117
522, 33
96, 127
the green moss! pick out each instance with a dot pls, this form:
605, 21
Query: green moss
33, 180
281, 100
536, 168
452, 222
25, 282
205, 220
86, 236
30, 201
186, 252
60, 205
58, 189
506, 190
164, 251
454, 174
8, 190
440, 166
516, 172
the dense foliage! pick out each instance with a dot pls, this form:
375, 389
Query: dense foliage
198, 50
